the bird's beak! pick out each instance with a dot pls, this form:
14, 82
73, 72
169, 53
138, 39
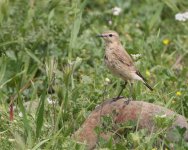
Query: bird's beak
99, 35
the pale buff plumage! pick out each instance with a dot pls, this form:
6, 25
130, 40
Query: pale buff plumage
118, 60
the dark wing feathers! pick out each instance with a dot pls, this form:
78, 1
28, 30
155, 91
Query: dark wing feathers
140, 75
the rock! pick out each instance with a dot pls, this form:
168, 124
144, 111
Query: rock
142, 112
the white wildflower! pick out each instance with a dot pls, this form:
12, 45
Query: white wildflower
116, 11
181, 16
15, 121
97, 106
107, 80
110, 22
136, 56
51, 101
11, 140
163, 116
20, 114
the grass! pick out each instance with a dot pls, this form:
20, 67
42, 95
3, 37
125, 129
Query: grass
51, 44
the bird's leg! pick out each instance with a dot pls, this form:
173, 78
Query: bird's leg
131, 94
123, 87
119, 95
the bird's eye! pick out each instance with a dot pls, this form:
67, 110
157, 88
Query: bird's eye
110, 35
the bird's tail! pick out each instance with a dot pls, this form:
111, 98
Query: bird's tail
144, 80
148, 86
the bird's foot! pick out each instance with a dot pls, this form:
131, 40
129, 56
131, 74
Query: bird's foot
128, 101
117, 98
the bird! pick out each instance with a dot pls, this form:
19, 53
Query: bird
120, 63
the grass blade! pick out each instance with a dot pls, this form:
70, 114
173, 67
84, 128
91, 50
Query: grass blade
40, 115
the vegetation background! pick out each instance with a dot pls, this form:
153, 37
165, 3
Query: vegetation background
49, 44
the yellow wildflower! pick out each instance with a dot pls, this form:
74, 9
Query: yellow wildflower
166, 41
178, 93
173, 101
148, 73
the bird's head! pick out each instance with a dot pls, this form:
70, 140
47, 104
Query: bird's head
110, 37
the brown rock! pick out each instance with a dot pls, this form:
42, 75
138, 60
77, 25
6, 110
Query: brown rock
140, 111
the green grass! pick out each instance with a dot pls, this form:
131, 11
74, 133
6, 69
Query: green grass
45, 44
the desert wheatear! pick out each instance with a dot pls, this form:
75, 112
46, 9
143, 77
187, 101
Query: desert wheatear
119, 61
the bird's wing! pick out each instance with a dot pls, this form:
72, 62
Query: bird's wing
123, 57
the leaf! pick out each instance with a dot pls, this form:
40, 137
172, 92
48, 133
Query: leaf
76, 28
39, 144
11, 54
40, 115
33, 56
3, 68
8, 43
25, 119
171, 4
4, 7
155, 18
181, 130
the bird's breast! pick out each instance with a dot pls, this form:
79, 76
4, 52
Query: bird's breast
112, 64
